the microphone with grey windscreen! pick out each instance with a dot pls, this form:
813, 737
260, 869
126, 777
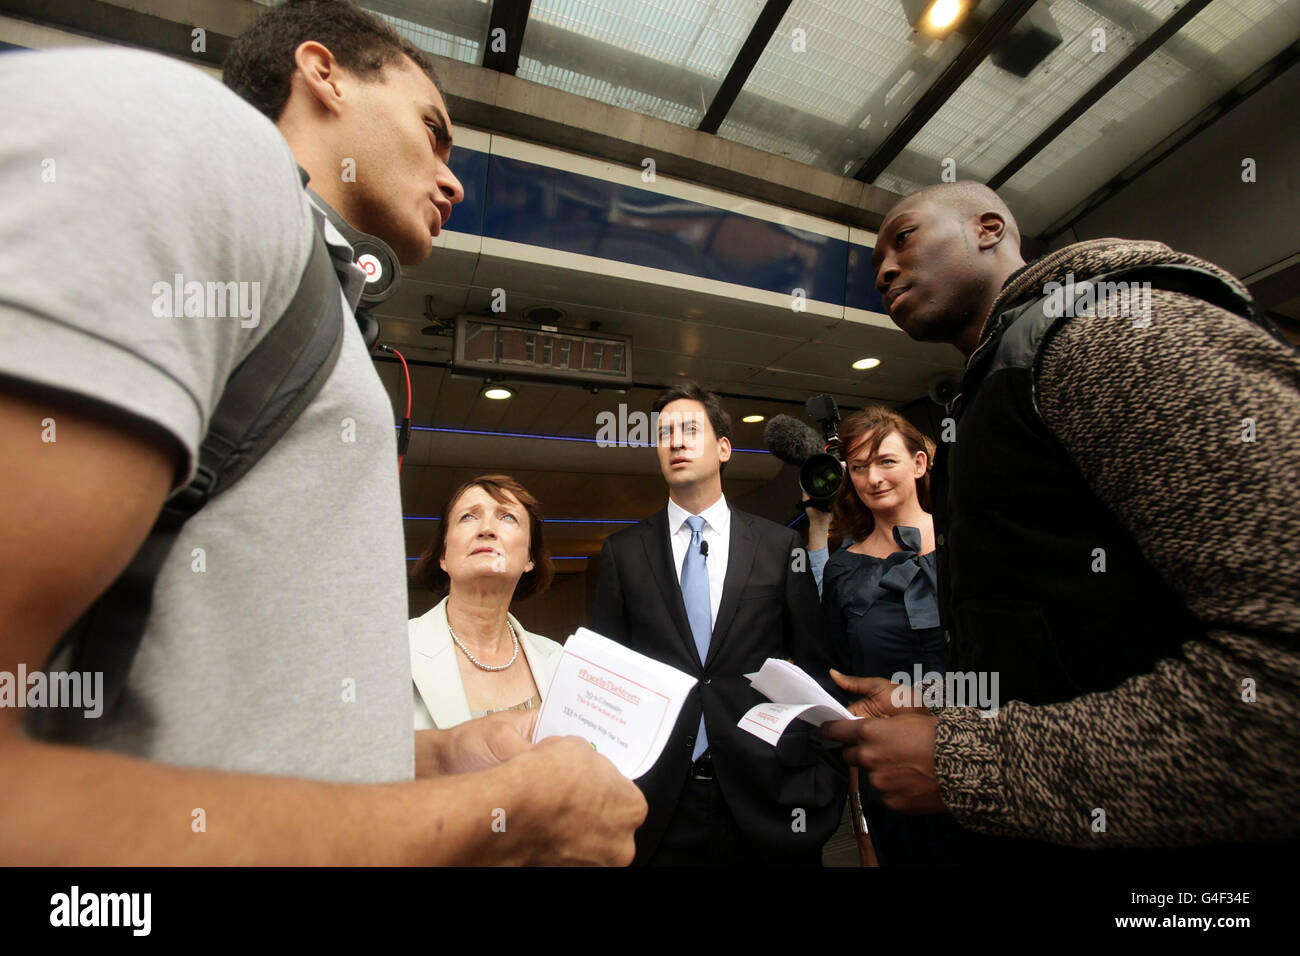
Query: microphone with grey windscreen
791, 440
797, 444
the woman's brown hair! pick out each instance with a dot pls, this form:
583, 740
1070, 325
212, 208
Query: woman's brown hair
427, 572
873, 424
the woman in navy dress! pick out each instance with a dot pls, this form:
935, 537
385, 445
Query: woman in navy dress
880, 595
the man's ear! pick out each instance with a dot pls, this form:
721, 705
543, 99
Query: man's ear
992, 230
724, 449
319, 73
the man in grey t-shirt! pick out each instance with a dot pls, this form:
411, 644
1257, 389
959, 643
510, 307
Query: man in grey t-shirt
277, 644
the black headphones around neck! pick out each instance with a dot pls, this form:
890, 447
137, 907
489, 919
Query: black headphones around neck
375, 256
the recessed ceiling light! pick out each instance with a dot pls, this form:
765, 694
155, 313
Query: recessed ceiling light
944, 13
866, 363
752, 419
498, 392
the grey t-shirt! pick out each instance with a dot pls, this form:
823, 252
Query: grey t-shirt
278, 639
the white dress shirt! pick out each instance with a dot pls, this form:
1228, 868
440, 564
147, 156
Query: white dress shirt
717, 532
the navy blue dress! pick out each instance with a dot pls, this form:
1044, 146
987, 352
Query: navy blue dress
884, 618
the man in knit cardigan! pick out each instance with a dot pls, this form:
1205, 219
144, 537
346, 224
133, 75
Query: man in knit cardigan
1118, 538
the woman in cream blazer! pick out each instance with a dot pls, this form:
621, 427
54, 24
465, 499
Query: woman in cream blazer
469, 655
440, 700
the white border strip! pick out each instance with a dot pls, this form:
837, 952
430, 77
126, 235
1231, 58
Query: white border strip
862, 237
864, 317
474, 139
457, 241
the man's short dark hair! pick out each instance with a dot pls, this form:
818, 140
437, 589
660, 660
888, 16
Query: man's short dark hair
718, 417
260, 64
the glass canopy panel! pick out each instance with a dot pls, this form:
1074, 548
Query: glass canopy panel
450, 28
994, 114
834, 78
1225, 42
663, 58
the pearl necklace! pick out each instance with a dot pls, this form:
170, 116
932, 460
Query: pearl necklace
474, 660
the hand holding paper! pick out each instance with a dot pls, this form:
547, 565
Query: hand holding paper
624, 703
878, 696
792, 694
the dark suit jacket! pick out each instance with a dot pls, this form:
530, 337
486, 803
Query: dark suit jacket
769, 609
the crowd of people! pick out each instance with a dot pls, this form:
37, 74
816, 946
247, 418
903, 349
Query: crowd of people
1094, 527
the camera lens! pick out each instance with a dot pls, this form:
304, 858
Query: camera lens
820, 476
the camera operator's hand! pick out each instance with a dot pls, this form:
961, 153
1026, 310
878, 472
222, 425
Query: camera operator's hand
581, 811
878, 697
819, 526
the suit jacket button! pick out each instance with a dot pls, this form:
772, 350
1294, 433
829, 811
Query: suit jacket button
938, 539
707, 680
947, 637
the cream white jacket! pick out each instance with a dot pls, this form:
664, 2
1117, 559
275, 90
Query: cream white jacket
440, 700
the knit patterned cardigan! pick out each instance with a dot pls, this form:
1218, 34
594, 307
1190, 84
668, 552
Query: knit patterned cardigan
1204, 749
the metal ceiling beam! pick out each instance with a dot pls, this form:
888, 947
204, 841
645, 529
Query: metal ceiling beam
1099, 89
1207, 117
510, 17
764, 29
487, 100
996, 29
634, 71
1141, 22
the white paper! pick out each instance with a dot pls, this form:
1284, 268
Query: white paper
792, 694
624, 703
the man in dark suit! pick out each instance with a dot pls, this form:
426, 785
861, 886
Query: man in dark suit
714, 592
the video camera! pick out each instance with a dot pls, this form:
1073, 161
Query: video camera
821, 475
821, 468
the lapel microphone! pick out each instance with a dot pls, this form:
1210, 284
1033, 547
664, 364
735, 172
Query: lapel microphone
704, 547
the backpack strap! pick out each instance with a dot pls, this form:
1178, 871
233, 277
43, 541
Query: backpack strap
272, 385
1027, 327
1200, 283
1203, 284
263, 396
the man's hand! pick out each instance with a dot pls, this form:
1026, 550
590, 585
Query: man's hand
473, 745
879, 697
588, 812
898, 755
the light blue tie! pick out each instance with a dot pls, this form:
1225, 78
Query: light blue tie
695, 595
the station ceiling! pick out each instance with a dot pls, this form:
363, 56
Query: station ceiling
852, 91
1056, 103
